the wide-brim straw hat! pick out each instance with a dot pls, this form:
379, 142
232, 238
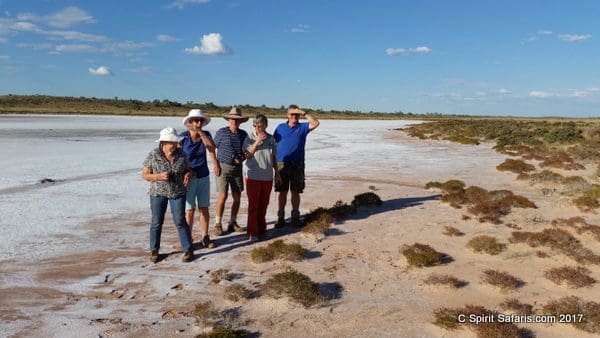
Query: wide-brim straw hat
196, 113
236, 114
168, 134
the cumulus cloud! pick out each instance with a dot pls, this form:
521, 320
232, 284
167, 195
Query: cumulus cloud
574, 38
180, 4
210, 44
539, 94
403, 51
166, 38
68, 17
100, 71
300, 29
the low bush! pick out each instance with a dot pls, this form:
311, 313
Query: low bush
559, 240
366, 199
487, 244
576, 277
515, 166
583, 315
205, 313
513, 304
501, 279
294, 285
224, 332
448, 318
278, 250
586, 203
452, 231
446, 280
421, 255
236, 292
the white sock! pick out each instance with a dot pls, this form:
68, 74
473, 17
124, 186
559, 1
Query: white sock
217, 219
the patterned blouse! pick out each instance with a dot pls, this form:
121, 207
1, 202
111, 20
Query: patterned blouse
157, 164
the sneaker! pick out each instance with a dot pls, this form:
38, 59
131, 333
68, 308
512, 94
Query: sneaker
154, 256
188, 256
234, 227
207, 242
280, 223
296, 222
218, 230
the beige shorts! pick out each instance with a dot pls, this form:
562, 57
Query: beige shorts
231, 177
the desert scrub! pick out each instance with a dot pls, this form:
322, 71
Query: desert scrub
561, 160
294, 285
487, 244
513, 304
421, 255
587, 314
559, 240
575, 185
278, 250
236, 292
501, 279
586, 203
318, 225
446, 280
452, 231
580, 226
447, 318
545, 176
515, 166
366, 199
205, 313
576, 277
221, 274
224, 332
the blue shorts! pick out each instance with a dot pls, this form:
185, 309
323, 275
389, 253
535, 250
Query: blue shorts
198, 192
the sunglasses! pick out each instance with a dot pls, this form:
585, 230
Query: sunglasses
195, 120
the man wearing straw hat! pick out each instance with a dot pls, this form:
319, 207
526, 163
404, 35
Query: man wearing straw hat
230, 157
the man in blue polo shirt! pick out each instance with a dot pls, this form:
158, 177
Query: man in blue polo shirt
291, 139
195, 142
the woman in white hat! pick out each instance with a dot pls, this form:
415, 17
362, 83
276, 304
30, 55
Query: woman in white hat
167, 170
195, 142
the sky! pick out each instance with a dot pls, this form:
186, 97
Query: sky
510, 57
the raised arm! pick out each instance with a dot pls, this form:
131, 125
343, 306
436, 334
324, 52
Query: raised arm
312, 120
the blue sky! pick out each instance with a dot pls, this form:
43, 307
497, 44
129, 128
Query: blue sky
528, 58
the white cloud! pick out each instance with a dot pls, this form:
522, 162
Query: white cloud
504, 91
73, 35
578, 93
574, 38
35, 46
421, 50
480, 94
300, 28
100, 71
68, 17
24, 27
593, 89
77, 48
395, 51
544, 32
166, 38
210, 44
539, 94
180, 4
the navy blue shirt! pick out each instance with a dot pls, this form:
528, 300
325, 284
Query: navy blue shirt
195, 153
291, 141
229, 145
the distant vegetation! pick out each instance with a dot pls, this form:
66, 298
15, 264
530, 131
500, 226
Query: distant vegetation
44, 104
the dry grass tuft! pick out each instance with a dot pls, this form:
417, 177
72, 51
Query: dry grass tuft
583, 227
487, 244
576, 277
584, 315
421, 255
236, 292
501, 279
515, 166
224, 332
545, 176
465, 217
221, 274
559, 240
205, 313
295, 285
278, 250
448, 318
586, 203
513, 304
452, 231
319, 225
575, 185
561, 160
447, 280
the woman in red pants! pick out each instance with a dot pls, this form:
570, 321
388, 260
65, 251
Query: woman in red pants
261, 169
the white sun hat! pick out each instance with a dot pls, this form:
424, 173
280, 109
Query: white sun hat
196, 113
168, 134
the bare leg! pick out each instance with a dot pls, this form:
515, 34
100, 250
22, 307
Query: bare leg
235, 206
189, 218
295, 201
221, 203
282, 200
204, 217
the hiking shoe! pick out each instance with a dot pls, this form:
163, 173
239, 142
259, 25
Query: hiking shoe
207, 242
154, 256
280, 223
234, 227
218, 230
188, 256
296, 222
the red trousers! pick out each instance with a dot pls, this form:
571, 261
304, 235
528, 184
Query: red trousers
259, 193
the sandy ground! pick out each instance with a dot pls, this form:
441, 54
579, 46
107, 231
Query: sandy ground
112, 290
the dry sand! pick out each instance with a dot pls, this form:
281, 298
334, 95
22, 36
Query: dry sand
113, 290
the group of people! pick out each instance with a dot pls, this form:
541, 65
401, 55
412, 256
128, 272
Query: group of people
179, 176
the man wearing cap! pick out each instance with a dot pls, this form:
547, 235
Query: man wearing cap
195, 142
291, 139
230, 156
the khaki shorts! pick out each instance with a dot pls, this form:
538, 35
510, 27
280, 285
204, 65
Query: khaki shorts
292, 177
231, 176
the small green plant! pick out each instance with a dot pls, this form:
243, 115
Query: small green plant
515, 166
422, 255
447, 280
513, 304
487, 244
295, 285
236, 292
576, 277
586, 315
501, 279
278, 250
